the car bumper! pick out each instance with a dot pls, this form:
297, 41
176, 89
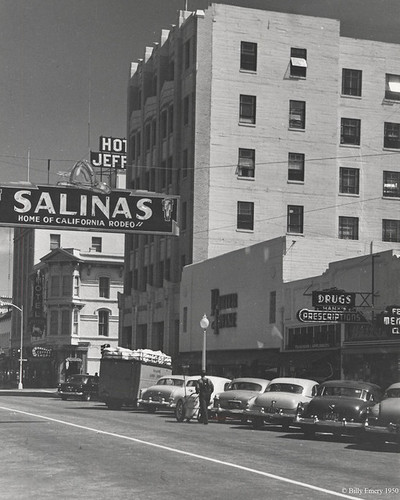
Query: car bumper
270, 417
70, 394
166, 405
387, 430
326, 425
228, 412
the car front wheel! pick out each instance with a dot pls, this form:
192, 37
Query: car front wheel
180, 411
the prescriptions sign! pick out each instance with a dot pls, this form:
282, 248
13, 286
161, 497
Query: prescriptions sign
60, 207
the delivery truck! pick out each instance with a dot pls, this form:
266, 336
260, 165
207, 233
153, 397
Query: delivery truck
124, 376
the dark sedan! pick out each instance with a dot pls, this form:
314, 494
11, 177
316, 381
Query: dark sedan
383, 422
84, 387
340, 407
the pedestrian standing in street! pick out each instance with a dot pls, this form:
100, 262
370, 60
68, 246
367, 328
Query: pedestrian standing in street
204, 388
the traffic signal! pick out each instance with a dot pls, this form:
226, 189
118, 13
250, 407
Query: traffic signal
104, 346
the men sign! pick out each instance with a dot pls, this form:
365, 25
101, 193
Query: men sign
65, 207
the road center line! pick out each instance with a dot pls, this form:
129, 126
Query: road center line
187, 453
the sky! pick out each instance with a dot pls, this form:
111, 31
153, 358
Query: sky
64, 70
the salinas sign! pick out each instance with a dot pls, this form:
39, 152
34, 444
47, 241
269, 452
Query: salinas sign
65, 207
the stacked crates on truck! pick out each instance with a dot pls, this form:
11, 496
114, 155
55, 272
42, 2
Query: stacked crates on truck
124, 373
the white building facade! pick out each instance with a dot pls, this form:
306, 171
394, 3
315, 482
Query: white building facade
267, 125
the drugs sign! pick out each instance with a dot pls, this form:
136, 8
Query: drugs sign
333, 298
56, 207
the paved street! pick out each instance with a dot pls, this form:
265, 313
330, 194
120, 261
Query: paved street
73, 449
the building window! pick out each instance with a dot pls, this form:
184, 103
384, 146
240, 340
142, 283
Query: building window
54, 323
350, 131
184, 216
298, 63
296, 167
247, 111
147, 135
248, 56
76, 286
392, 90
246, 162
66, 285
391, 184
96, 244
170, 119
272, 307
295, 217
185, 159
185, 319
348, 228
297, 114
351, 82
104, 287
186, 110
164, 124
104, 319
186, 51
55, 241
391, 230
75, 328
55, 286
245, 215
65, 322
392, 135
349, 180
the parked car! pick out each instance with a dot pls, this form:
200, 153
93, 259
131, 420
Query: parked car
340, 407
167, 392
383, 422
181, 413
84, 387
233, 401
278, 404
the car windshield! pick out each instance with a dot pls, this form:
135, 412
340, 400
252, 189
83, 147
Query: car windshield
77, 379
393, 393
350, 392
244, 386
292, 388
170, 381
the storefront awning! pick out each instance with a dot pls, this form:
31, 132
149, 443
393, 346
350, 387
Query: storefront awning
73, 360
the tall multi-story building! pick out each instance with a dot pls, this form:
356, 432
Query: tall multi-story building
266, 124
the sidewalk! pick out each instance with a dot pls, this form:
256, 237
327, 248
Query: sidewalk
32, 391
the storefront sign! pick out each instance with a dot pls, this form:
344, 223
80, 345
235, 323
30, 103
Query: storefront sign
61, 207
42, 352
333, 298
228, 318
112, 153
391, 318
315, 316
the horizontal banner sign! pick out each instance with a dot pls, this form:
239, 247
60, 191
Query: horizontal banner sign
60, 207
315, 316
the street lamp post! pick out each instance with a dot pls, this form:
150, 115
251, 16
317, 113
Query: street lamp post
204, 323
21, 310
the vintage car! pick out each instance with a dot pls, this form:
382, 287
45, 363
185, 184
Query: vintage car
278, 404
383, 421
84, 387
233, 401
187, 406
167, 392
340, 407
